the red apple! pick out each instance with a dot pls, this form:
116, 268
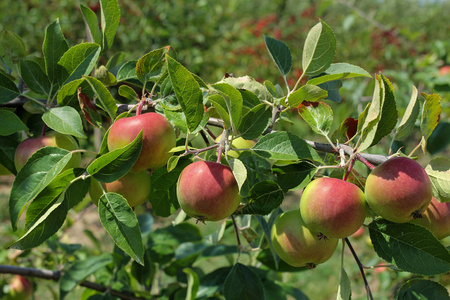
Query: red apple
398, 190
158, 138
333, 207
296, 244
135, 187
19, 289
436, 218
55, 139
208, 191
444, 70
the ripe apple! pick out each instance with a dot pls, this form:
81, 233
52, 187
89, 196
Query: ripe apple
333, 207
158, 138
436, 218
444, 70
55, 139
208, 191
19, 289
238, 143
296, 244
398, 190
135, 187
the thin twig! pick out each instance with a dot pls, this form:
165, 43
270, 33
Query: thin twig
236, 230
361, 269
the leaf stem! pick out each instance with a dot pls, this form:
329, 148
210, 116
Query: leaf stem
361, 269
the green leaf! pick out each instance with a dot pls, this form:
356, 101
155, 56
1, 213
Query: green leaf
410, 247
409, 118
65, 120
11, 123
67, 94
318, 115
127, 71
339, 71
192, 284
110, 18
438, 170
104, 98
255, 122
8, 145
285, 146
249, 84
34, 77
280, 54
431, 114
79, 60
187, 91
120, 222
239, 171
439, 139
219, 104
243, 284
344, 290
115, 164
233, 100
150, 64
8, 89
55, 45
419, 288
12, 47
263, 198
128, 92
40, 169
294, 176
306, 93
258, 169
91, 20
80, 270
319, 49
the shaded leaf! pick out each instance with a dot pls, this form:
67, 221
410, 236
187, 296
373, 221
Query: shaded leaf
255, 122
280, 54
419, 288
91, 20
263, 197
8, 89
11, 123
104, 98
34, 77
55, 45
243, 284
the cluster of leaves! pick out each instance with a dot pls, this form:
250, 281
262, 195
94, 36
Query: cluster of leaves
68, 78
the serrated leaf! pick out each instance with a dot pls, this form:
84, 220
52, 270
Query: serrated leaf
67, 94
294, 176
280, 54
40, 169
127, 71
150, 64
128, 92
263, 198
239, 171
115, 164
110, 18
80, 270
319, 49
91, 20
8, 89
233, 100
339, 71
187, 91
65, 120
243, 284
120, 222
258, 169
104, 98
255, 122
250, 84
11, 123
410, 116
419, 288
12, 47
79, 60
34, 77
55, 45
318, 115
431, 113
285, 146
306, 92
438, 170
410, 247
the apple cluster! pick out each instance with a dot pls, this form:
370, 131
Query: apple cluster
398, 190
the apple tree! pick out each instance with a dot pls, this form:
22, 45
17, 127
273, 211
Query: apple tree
214, 163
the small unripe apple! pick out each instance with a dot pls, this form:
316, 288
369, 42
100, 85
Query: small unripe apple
296, 244
333, 207
55, 139
436, 218
135, 187
157, 139
208, 191
398, 190
19, 289
238, 143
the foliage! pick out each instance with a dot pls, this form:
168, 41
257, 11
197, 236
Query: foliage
75, 88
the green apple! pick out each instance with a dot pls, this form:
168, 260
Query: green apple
237, 143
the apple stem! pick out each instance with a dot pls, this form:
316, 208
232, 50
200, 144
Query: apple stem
236, 230
349, 170
140, 106
44, 128
364, 161
361, 269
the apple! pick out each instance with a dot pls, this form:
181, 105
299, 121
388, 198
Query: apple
55, 139
398, 190
238, 143
19, 289
296, 244
333, 207
444, 70
208, 191
436, 218
135, 187
158, 138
